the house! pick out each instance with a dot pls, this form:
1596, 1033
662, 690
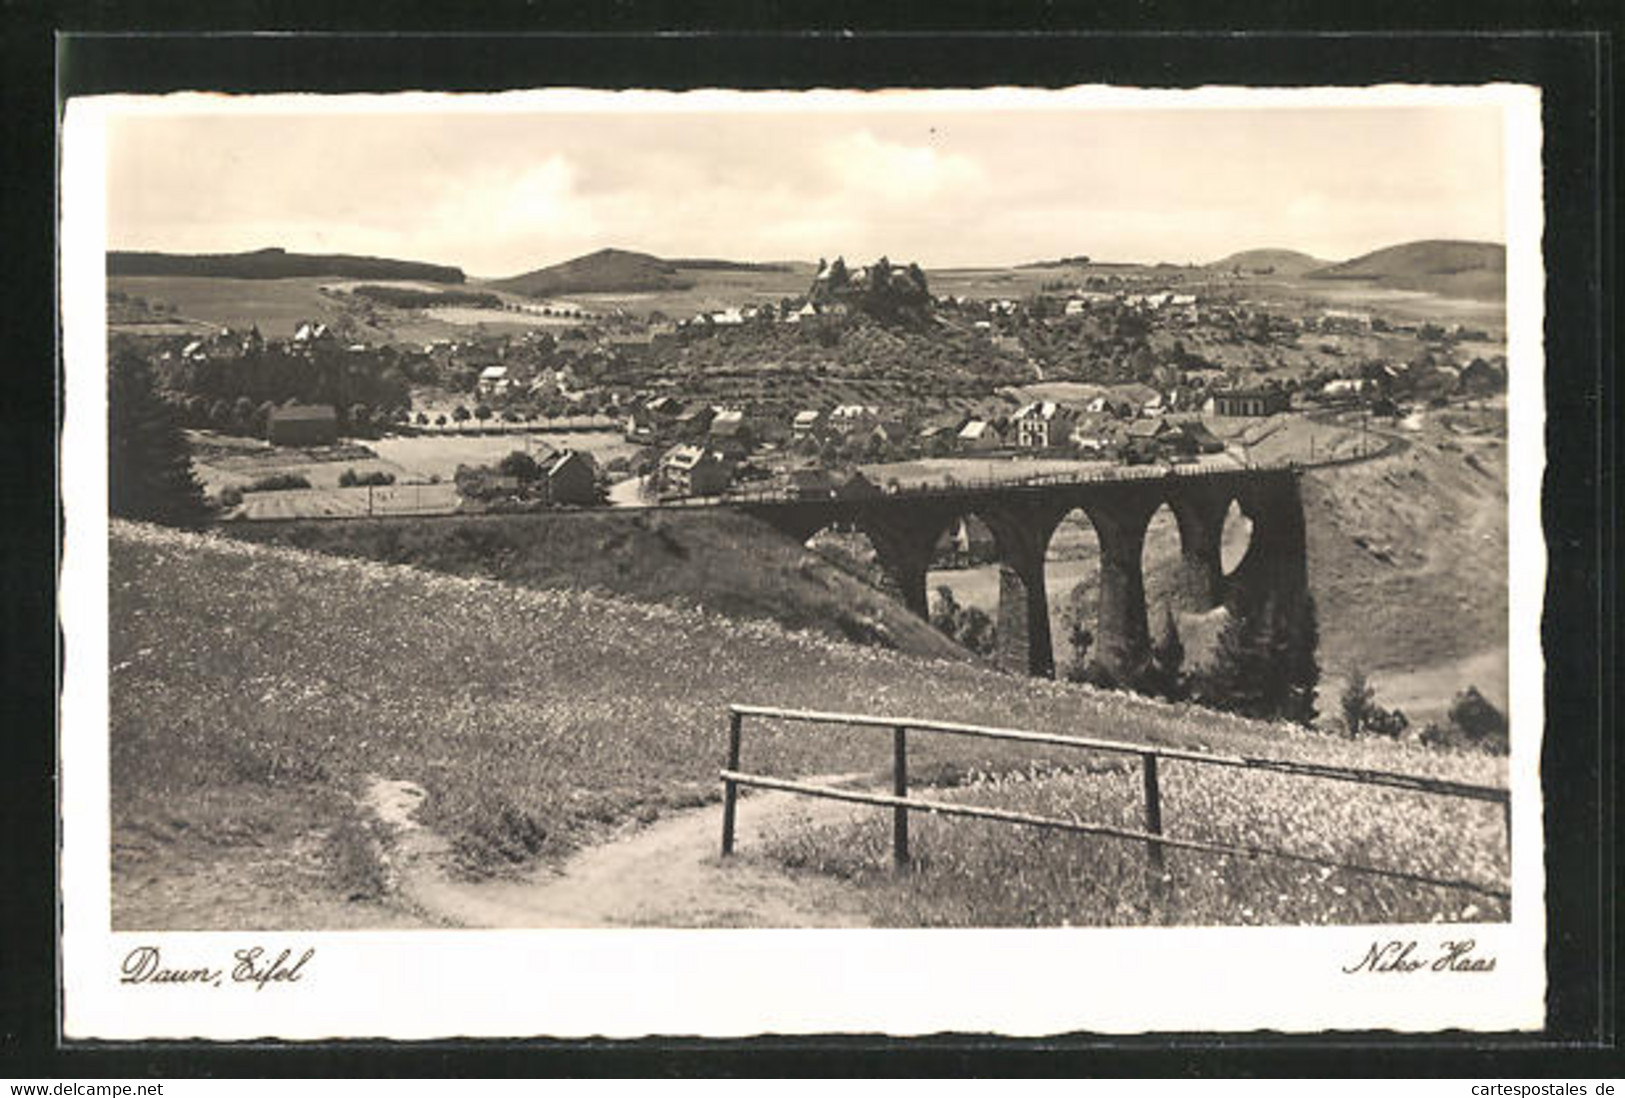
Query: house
1249, 402
640, 424
731, 432
811, 482
1206, 441
1075, 307
303, 425
1135, 399
979, 435
694, 471
1094, 432
694, 422
1043, 424
806, 423
664, 407
493, 381
854, 485
570, 476
1343, 387
847, 418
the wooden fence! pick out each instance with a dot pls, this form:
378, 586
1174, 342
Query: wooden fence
1152, 836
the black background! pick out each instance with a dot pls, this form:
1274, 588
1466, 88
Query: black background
1565, 49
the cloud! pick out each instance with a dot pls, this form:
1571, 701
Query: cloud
896, 172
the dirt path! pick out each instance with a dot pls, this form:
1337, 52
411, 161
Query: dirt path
666, 875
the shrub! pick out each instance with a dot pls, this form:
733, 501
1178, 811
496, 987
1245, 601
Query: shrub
278, 482
1479, 721
377, 478
230, 496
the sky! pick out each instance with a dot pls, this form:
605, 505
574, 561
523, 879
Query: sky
500, 192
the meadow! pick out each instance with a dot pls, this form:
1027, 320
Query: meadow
256, 689
277, 305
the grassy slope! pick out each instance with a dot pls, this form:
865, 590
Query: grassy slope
720, 561
1462, 268
255, 689
278, 306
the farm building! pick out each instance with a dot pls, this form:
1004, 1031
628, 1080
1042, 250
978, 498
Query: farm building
1249, 402
303, 425
694, 471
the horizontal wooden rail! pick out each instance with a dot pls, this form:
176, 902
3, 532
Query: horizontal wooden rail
1156, 841
1395, 780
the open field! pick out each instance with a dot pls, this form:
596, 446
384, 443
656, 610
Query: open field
416, 462
439, 455
277, 305
256, 692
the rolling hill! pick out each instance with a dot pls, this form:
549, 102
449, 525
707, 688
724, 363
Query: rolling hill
607, 271
1460, 268
276, 263
1279, 261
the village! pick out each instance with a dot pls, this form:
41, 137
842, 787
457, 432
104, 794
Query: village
867, 380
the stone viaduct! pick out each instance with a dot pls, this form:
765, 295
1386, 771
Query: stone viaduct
906, 527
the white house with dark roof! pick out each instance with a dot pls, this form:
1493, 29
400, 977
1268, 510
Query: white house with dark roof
1043, 424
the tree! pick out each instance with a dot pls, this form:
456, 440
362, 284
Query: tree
482, 412
1167, 671
149, 466
460, 414
1356, 701
1082, 639
521, 465
1479, 720
1265, 665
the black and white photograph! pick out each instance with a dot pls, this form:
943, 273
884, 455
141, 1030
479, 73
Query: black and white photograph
998, 531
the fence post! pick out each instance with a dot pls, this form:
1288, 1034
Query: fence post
730, 788
1506, 819
899, 782
1153, 818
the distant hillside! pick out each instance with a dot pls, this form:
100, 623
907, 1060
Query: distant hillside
277, 263
1280, 261
608, 271
1453, 268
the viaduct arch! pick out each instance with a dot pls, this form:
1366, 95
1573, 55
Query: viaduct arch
905, 528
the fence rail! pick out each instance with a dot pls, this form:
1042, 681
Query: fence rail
1152, 836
